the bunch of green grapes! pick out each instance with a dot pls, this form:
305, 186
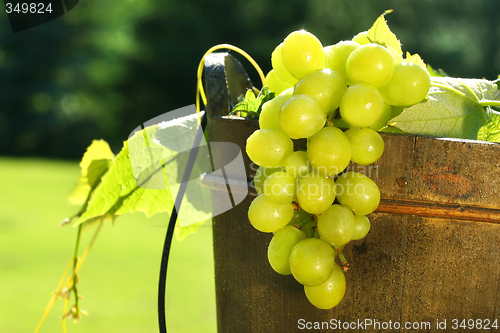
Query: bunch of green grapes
308, 199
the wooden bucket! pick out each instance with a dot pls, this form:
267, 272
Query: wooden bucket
432, 254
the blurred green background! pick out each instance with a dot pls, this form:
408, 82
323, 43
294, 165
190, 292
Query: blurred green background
106, 67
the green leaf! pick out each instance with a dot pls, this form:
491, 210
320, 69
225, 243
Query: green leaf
94, 164
436, 72
183, 232
119, 193
251, 105
174, 140
454, 108
490, 131
381, 34
156, 157
415, 59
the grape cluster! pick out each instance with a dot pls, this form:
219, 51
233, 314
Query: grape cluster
308, 199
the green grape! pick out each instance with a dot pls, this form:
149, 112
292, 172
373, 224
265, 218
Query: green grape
280, 187
312, 261
279, 68
301, 116
361, 227
370, 63
268, 216
366, 145
337, 57
315, 193
329, 151
336, 225
270, 115
396, 110
297, 164
280, 247
384, 118
310, 230
275, 83
260, 177
268, 147
328, 294
299, 218
391, 129
327, 49
362, 105
358, 193
302, 53
326, 86
361, 38
340, 123
409, 85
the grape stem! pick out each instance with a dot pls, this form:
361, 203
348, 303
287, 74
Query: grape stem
345, 264
302, 223
313, 230
486, 102
75, 262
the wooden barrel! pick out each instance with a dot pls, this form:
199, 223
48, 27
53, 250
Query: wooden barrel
432, 254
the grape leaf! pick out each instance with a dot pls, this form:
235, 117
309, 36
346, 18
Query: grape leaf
94, 164
381, 34
415, 59
183, 232
178, 134
119, 193
174, 140
490, 131
454, 108
435, 72
251, 105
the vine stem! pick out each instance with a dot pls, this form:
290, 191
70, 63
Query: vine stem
65, 308
302, 223
486, 102
162, 283
73, 287
54, 296
75, 261
200, 92
343, 260
313, 230
67, 283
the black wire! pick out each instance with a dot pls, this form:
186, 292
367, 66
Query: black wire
162, 284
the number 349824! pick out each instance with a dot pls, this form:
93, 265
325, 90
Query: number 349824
32, 8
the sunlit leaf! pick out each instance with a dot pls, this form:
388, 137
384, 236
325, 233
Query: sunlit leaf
454, 108
119, 193
94, 164
490, 131
251, 105
381, 34
415, 59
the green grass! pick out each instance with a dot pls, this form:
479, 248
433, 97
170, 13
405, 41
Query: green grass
119, 279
